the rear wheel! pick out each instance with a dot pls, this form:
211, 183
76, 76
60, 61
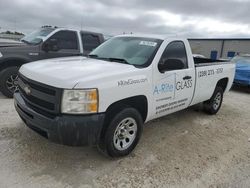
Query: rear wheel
123, 133
212, 106
8, 81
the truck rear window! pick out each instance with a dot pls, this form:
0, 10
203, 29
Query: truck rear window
90, 41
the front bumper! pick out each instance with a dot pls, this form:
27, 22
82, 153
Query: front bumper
63, 129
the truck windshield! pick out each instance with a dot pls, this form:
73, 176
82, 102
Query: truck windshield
136, 51
37, 36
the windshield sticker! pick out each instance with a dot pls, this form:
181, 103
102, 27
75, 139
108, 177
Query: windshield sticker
148, 43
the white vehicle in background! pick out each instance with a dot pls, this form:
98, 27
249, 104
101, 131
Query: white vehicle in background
105, 99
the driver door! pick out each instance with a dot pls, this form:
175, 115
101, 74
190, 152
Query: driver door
65, 44
173, 87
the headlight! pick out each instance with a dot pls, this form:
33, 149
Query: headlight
1, 55
80, 101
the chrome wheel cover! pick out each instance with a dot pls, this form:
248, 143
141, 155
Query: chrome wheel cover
11, 83
125, 134
217, 101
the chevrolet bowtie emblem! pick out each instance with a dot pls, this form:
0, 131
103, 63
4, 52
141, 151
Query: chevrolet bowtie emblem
27, 90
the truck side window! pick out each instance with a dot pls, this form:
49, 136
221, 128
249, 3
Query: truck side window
66, 40
175, 50
90, 41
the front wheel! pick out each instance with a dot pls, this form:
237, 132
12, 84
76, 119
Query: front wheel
8, 81
123, 133
212, 106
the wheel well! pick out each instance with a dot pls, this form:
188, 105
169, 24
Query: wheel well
12, 63
223, 83
140, 103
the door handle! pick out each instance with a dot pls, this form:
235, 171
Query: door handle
187, 77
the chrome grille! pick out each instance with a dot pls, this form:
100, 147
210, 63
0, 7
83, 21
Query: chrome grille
41, 98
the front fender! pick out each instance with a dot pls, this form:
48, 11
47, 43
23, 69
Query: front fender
12, 61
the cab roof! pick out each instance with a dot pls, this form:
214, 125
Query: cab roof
161, 37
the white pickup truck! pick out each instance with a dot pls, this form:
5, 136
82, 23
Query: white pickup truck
105, 99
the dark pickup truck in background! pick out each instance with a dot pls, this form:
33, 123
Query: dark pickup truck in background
44, 43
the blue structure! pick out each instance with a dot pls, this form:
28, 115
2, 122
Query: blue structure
214, 55
231, 54
242, 74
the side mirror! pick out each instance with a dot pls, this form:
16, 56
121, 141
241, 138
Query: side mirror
170, 64
50, 45
38, 41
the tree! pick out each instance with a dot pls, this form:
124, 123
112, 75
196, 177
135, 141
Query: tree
12, 33
48, 26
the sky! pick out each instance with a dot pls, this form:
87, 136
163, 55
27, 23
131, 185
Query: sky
184, 18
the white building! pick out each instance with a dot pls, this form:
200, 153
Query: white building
220, 48
10, 36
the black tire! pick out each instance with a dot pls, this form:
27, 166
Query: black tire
108, 145
7, 76
213, 105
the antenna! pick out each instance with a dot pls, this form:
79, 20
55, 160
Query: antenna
15, 24
81, 22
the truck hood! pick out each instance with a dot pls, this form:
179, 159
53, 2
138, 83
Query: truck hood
10, 43
74, 72
19, 49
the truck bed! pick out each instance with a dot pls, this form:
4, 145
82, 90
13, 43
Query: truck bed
207, 76
198, 62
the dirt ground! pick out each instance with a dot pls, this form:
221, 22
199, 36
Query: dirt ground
185, 149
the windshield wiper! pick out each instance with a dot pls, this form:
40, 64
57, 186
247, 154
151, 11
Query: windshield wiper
25, 41
119, 60
93, 55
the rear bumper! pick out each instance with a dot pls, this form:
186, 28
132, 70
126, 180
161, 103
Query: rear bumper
64, 129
